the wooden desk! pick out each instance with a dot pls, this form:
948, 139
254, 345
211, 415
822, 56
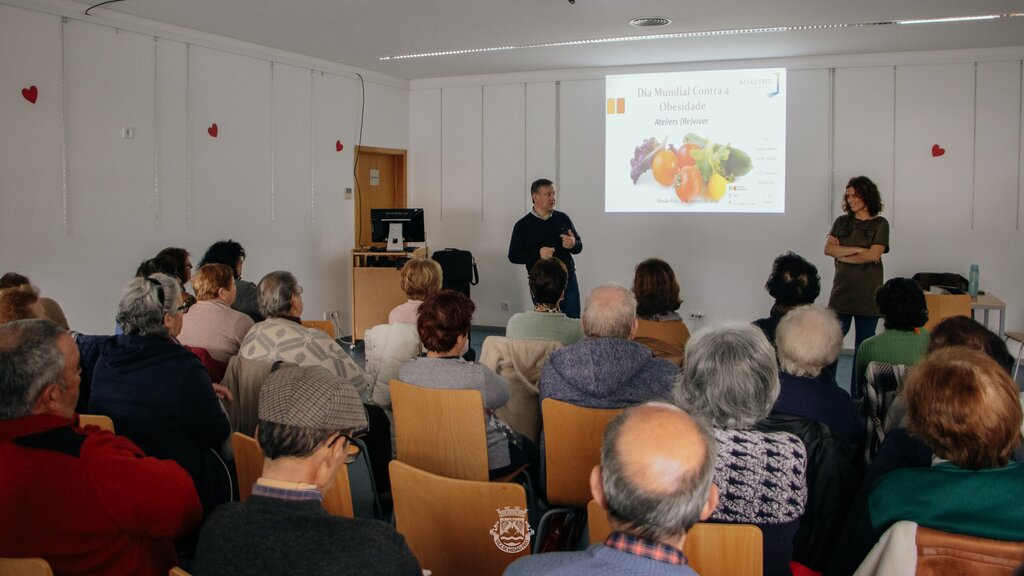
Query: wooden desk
987, 302
376, 289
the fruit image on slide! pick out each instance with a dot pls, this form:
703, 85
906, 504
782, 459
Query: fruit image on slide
697, 169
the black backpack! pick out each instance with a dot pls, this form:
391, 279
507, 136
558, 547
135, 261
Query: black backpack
459, 269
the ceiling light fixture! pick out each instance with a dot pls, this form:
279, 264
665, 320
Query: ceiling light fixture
649, 22
954, 19
699, 34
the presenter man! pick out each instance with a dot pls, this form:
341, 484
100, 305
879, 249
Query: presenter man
547, 233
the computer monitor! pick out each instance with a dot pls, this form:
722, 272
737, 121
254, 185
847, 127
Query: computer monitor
396, 226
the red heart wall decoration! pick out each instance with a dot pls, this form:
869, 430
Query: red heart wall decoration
339, 146
212, 130
30, 93
937, 150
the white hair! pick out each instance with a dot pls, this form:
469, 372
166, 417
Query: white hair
808, 339
729, 376
609, 312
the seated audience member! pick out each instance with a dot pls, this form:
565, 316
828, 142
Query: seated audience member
546, 321
307, 417
421, 277
655, 481
20, 303
51, 310
159, 264
793, 282
964, 331
232, 255
903, 450
607, 369
158, 393
182, 270
659, 326
211, 323
966, 409
823, 416
386, 347
808, 339
85, 500
731, 379
902, 304
443, 325
283, 337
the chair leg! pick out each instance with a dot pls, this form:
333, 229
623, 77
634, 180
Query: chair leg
377, 508
1020, 351
1016, 366
543, 525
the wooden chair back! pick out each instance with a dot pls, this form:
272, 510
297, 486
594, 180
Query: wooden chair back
942, 306
325, 325
440, 431
453, 526
711, 549
248, 463
573, 436
338, 497
249, 467
24, 567
940, 553
178, 571
104, 422
597, 522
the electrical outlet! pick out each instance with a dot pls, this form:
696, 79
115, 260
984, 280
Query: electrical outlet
696, 315
348, 193
505, 306
332, 315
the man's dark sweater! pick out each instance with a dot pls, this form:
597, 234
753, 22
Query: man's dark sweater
532, 233
272, 536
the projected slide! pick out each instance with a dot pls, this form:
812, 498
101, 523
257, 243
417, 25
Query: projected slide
712, 141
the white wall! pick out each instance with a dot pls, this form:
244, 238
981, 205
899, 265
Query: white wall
877, 115
271, 180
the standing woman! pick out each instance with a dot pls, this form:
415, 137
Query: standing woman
857, 241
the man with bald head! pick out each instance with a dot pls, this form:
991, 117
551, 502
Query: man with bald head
607, 369
655, 481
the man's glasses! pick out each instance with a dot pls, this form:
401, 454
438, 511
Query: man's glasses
349, 436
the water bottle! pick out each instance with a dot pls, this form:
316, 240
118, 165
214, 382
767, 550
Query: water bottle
972, 282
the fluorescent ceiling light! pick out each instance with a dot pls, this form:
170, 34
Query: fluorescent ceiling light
699, 34
954, 19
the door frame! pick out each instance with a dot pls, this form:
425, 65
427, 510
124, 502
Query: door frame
400, 159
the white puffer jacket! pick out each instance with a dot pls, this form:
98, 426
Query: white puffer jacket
387, 346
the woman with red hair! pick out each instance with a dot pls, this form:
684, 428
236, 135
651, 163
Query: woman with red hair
965, 407
443, 325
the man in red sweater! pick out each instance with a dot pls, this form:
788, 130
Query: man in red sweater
85, 500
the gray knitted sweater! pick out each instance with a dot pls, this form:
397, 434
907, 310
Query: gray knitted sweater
458, 374
606, 373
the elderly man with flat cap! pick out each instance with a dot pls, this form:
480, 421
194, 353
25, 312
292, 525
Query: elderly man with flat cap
307, 416
655, 481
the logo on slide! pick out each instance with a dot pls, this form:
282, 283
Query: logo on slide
616, 106
777, 87
512, 531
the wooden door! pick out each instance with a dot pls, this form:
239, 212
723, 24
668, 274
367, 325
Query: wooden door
380, 183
